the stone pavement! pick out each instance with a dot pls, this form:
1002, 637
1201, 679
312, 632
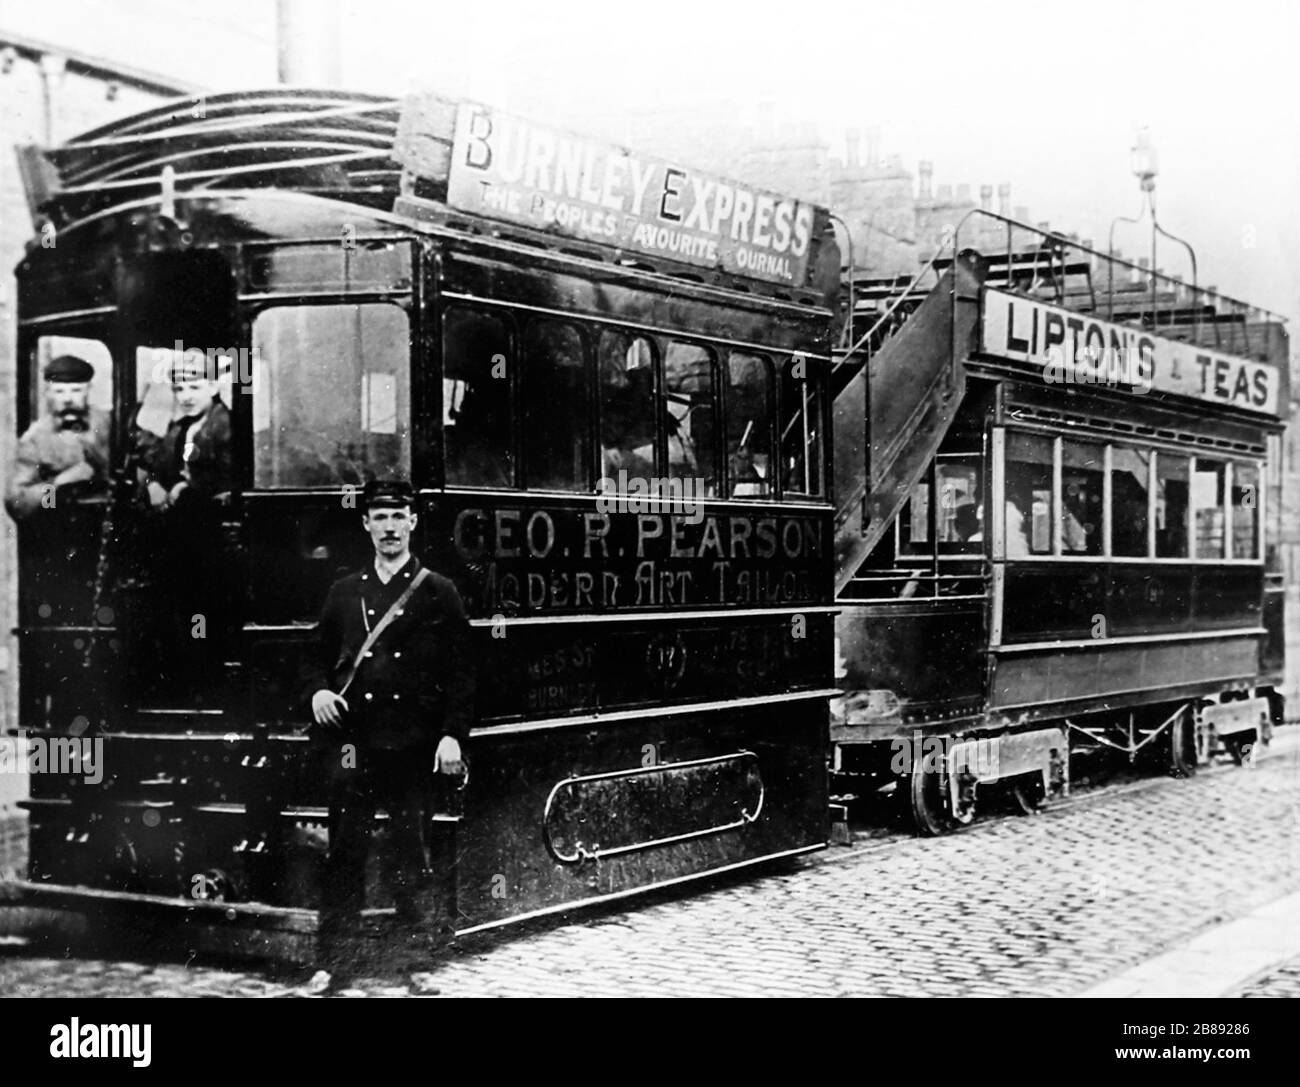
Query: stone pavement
1049, 905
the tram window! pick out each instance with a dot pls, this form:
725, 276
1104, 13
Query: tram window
801, 431
914, 524
476, 395
749, 424
1171, 506
688, 398
1082, 469
1245, 511
1209, 500
960, 516
627, 405
48, 348
1028, 506
554, 408
1129, 485
333, 403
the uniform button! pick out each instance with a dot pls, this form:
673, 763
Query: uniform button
370, 652
369, 697
372, 612
397, 654
400, 611
397, 698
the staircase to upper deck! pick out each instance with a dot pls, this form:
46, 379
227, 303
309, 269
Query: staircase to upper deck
897, 390
899, 383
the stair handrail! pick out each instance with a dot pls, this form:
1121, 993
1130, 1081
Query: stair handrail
889, 312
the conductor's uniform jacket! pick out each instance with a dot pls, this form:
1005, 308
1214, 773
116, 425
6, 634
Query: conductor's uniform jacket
416, 683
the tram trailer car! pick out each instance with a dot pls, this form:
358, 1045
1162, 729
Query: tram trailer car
654, 667
1059, 504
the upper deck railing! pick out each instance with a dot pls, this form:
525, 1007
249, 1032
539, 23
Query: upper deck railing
1058, 268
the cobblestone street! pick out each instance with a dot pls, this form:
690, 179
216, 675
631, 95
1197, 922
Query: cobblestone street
1048, 905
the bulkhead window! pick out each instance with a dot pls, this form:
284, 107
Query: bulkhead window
331, 395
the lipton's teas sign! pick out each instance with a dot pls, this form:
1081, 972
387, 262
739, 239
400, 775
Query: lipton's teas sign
504, 167
1075, 348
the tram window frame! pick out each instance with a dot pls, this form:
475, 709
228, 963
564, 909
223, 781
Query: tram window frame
612, 454
1072, 528
713, 480
509, 467
1153, 551
812, 381
1048, 461
523, 398
1206, 529
766, 483
1240, 469
264, 418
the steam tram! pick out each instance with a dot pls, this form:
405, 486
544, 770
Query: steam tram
1063, 537
620, 459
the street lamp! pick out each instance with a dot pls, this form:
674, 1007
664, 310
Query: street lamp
1145, 165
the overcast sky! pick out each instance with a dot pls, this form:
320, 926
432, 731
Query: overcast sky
1046, 96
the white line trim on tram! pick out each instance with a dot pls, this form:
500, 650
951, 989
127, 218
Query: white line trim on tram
632, 617
677, 710
1137, 639
66, 315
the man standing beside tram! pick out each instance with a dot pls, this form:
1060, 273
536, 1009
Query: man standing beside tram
393, 683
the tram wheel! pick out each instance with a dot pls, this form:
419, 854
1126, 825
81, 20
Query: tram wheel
1024, 794
1242, 747
927, 806
1182, 746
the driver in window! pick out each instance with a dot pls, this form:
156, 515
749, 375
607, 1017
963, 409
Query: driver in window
192, 461
67, 447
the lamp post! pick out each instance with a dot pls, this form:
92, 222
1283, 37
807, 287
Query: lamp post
1145, 165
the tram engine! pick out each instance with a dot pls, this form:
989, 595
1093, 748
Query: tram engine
617, 437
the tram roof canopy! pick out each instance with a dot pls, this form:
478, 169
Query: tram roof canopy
391, 156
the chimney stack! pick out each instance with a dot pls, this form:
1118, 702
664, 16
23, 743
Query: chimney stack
1004, 199
925, 172
986, 197
872, 146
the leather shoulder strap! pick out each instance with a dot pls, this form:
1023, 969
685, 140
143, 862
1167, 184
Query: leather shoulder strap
384, 623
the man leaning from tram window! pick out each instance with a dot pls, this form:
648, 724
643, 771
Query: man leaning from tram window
65, 452
191, 465
391, 689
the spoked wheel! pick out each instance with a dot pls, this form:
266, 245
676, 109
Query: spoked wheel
1024, 795
928, 808
1242, 747
1182, 746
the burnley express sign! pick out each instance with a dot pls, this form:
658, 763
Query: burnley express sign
504, 167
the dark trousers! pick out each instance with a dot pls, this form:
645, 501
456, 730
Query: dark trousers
394, 781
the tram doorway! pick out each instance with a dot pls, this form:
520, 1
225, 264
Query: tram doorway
178, 536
